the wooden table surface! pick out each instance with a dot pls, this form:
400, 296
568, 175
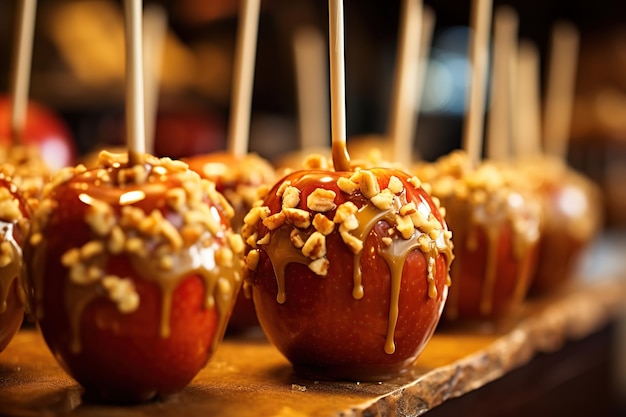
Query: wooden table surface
248, 377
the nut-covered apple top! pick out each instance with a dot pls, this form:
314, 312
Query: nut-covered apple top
167, 221
238, 179
27, 169
571, 203
14, 224
293, 221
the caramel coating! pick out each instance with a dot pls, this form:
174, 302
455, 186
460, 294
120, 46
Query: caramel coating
347, 207
159, 216
496, 220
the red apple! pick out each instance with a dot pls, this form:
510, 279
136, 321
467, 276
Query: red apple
44, 130
14, 218
135, 298
239, 179
348, 271
496, 222
185, 132
571, 208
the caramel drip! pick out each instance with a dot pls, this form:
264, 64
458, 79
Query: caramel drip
486, 300
281, 253
13, 270
77, 298
341, 159
219, 281
490, 217
396, 255
367, 216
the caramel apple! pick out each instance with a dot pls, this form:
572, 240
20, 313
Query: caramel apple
27, 169
348, 270
238, 179
571, 208
43, 130
496, 221
133, 270
14, 218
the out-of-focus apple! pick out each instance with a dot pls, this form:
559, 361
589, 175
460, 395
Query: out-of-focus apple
14, 218
496, 220
184, 132
135, 300
44, 130
348, 271
571, 206
239, 179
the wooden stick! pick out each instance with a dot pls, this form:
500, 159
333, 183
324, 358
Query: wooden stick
243, 78
341, 159
154, 32
135, 133
479, 56
312, 86
428, 28
405, 84
560, 89
20, 77
499, 128
528, 113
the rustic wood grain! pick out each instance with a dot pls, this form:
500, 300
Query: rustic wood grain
248, 377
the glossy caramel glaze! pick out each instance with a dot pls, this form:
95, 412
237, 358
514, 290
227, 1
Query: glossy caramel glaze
158, 220
309, 212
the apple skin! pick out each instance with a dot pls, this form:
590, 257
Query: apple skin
321, 328
43, 129
12, 315
571, 208
186, 132
513, 276
123, 357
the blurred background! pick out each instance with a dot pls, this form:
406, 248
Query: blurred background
78, 70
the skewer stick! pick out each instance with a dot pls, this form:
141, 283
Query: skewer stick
312, 86
479, 55
499, 128
528, 126
135, 133
20, 77
154, 32
405, 84
341, 159
243, 78
560, 88
428, 27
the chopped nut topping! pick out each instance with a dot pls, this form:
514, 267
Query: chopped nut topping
383, 200
369, 184
321, 200
395, 185
122, 292
291, 197
344, 210
296, 238
319, 266
323, 224
347, 186
415, 182
315, 246
283, 186
252, 259
298, 217
275, 220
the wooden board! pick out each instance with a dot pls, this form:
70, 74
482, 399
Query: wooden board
248, 377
